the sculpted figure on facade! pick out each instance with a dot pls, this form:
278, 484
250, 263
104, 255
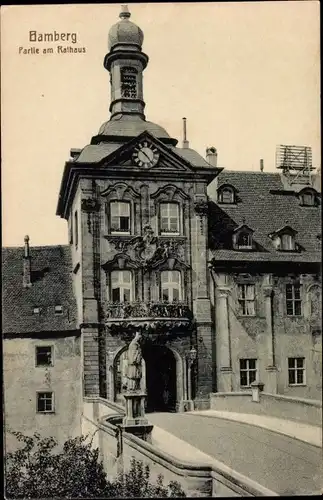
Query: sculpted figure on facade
134, 370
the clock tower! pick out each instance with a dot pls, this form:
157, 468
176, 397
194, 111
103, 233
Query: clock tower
136, 206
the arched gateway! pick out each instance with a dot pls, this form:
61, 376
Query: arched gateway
162, 377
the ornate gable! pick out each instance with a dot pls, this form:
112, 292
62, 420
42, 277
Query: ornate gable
146, 153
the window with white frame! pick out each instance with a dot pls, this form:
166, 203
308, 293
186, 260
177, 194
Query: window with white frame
44, 355
121, 286
120, 217
169, 218
246, 299
296, 371
45, 402
248, 372
293, 300
171, 290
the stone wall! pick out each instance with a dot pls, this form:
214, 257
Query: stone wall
22, 379
270, 336
270, 405
197, 479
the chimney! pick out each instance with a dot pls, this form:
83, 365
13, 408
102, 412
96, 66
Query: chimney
261, 165
185, 141
26, 281
212, 156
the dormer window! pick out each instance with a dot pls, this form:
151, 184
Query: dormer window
284, 239
129, 82
226, 194
307, 197
243, 238
58, 310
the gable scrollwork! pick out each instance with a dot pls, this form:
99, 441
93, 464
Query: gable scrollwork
120, 261
149, 251
170, 193
120, 191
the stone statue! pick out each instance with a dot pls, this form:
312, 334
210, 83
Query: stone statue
134, 370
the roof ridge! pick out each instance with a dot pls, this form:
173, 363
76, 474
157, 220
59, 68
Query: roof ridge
36, 247
249, 172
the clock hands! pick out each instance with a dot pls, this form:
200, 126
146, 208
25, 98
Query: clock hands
143, 152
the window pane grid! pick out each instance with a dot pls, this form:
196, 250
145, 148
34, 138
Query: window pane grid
248, 372
45, 402
296, 371
121, 282
246, 300
169, 217
120, 217
293, 300
171, 286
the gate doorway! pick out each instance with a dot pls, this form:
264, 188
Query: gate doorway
160, 378
159, 381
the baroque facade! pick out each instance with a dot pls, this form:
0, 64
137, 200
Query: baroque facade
220, 270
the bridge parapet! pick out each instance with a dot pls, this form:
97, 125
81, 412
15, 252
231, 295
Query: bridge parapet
272, 405
197, 479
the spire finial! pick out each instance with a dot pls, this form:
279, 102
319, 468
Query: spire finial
124, 14
26, 240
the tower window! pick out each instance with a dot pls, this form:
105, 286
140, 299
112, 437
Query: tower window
293, 300
169, 218
121, 286
129, 82
171, 286
120, 217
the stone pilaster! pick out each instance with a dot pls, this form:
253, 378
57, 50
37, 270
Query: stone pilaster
223, 348
91, 362
271, 370
201, 299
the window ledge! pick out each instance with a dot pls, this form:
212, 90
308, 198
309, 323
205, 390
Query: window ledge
162, 233
50, 412
296, 385
120, 233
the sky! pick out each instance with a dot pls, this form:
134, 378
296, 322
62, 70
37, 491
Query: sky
245, 75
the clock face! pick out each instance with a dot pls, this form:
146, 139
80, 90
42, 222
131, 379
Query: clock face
145, 155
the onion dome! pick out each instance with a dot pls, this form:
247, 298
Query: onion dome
125, 32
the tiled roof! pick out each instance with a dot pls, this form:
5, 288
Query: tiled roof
265, 207
51, 286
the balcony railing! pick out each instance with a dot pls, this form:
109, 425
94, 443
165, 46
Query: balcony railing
148, 310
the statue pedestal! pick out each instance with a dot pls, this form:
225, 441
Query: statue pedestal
135, 420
